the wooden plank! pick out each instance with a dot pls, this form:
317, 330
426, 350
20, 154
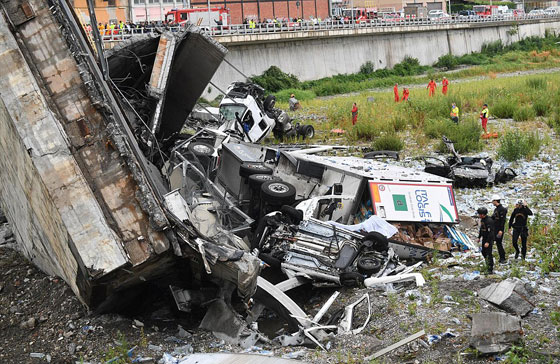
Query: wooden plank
396, 345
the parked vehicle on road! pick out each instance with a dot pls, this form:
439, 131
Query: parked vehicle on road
536, 13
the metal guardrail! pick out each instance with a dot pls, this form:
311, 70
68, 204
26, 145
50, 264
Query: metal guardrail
271, 28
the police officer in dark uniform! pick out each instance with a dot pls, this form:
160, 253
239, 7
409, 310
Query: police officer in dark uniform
499, 216
487, 234
518, 221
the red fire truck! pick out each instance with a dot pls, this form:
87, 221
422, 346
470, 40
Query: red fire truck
218, 16
485, 10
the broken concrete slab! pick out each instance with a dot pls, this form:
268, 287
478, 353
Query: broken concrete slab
494, 332
226, 358
511, 295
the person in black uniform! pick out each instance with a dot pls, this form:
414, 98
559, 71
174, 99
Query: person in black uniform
518, 221
487, 234
499, 216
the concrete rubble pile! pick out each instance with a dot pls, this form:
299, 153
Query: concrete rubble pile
106, 192
512, 295
494, 332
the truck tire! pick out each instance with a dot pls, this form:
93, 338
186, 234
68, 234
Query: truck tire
368, 265
308, 132
278, 193
249, 168
201, 149
269, 102
351, 279
378, 241
256, 180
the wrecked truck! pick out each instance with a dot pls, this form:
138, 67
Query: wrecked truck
245, 111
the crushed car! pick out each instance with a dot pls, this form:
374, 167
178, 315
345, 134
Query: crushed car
468, 172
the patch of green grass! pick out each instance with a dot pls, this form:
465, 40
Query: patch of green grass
541, 106
515, 145
465, 136
412, 308
504, 109
388, 142
365, 131
301, 95
537, 83
523, 114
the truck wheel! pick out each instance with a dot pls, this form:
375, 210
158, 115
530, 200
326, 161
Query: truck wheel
308, 132
269, 102
256, 180
278, 193
248, 169
378, 241
200, 149
351, 279
368, 265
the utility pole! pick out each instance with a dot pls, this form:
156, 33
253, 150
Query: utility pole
352, 6
209, 25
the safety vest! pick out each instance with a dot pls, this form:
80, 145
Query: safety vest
251, 24
484, 113
455, 112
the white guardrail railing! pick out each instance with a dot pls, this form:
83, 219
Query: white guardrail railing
268, 28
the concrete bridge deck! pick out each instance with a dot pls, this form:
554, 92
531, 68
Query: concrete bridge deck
323, 53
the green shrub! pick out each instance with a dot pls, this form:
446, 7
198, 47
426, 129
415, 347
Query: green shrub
399, 123
515, 145
554, 122
473, 59
504, 109
408, 67
492, 48
465, 136
541, 107
365, 131
537, 83
388, 142
301, 95
447, 61
523, 114
367, 68
273, 79
436, 128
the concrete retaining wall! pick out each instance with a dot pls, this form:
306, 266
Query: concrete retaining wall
312, 57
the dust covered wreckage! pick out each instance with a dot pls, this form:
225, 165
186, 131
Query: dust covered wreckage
84, 200
468, 171
145, 202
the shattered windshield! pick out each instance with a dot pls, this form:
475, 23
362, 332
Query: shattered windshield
228, 111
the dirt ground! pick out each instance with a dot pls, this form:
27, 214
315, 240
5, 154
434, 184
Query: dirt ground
42, 321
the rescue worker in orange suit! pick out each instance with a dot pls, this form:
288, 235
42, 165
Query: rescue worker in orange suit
396, 92
405, 94
484, 118
487, 235
444, 84
354, 114
431, 88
